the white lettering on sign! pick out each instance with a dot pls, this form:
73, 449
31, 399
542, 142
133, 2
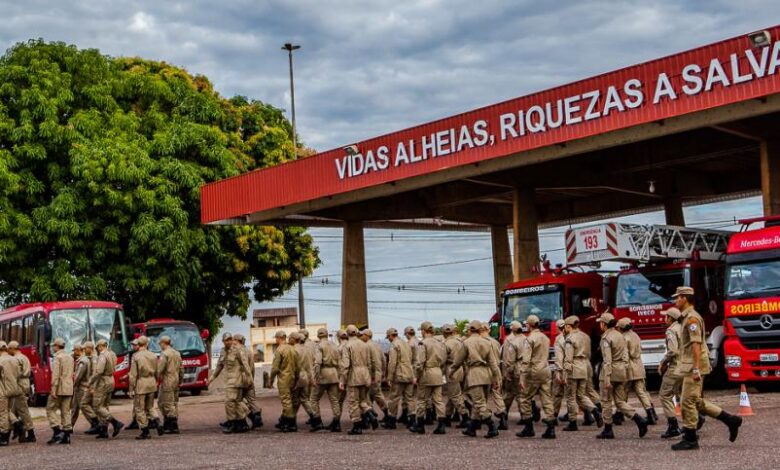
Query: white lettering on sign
573, 110
590, 239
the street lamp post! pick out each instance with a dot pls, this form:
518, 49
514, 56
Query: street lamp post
290, 47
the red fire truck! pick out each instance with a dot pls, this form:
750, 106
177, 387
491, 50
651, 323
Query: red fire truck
186, 339
35, 325
752, 307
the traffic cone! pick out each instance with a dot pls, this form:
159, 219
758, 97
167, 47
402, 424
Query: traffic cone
744, 402
677, 410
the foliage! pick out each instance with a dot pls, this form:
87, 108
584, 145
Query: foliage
460, 326
101, 164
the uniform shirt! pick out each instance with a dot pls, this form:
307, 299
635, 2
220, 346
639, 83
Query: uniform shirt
576, 359
286, 366
672, 356
62, 374
399, 364
511, 353
326, 363
143, 373
379, 359
533, 367
169, 371
24, 372
431, 357
357, 365
453, 345
9, 376
237, 372
307, 364
83, 372
559, 346
636, 368
495, 349
692, 332
614, 357
480, 362
103, 373
413, 343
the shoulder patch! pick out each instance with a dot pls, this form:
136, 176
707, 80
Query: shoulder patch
605, 343
691, 321
693, 326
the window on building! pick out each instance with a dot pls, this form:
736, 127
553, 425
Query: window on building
16, 330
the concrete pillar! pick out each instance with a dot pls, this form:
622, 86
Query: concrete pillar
526, 233
770, 176
673, 210
502, 260
354, 301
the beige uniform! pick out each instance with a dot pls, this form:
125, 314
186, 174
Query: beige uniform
326, 374
431, 357
496, 396
302, 391
237, 377
636, 369
143, 385
671, 383
576, 365
453, 388
375, 392
614, 371
170, 375
9, 389
692, 402
20, 407
87, 401
250, 394
400, 375
357, 370
81, 387
558, 390
61, 392
534, 374
481, 371
286, 368
511, 352
102, 382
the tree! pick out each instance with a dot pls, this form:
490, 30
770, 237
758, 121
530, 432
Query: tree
101, 164
461, 325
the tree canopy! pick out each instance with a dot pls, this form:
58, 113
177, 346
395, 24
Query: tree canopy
101, 164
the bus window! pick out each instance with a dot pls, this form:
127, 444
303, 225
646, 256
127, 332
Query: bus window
16, 330
29, 331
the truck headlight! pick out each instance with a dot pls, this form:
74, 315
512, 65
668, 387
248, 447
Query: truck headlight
733, 361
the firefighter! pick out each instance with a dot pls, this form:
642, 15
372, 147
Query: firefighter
326, 379
558, 385
58, 404
413, 343
400, 379
534, 379
9, 390
237, 374
87, 363
511, 351
358, 373
302, 390
255, 414
671, 382
453, 387
636, 369
170, 376
102, 386
613, 377
694, 365
142, 387
23, 427
495, 397
133, 423
286, 367
576, 362
375, 393
431, 357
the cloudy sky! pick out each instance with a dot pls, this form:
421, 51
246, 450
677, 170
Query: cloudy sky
368, 67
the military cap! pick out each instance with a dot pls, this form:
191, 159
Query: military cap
341, 333
426, 325
683, 290
294, 336
409, 330
515, 325
475, 325
448, 328
304, 332
3, 345
102, 342
391, 332
605, 317
239, 337
76, 347
15, 345
89, 344
322, 333
572, 320
165, 339
623, 322
672, 313
352, 330
367, 332
142, 340
532, 320
227, 336
61, 342
280, 334
560, 324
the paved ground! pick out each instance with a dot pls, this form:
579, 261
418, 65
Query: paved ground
202, 445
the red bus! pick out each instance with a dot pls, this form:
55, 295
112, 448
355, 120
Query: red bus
35, 325
186, 339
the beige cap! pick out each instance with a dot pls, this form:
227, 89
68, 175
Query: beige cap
143, 340
322, 333
15, 345
532, 320
164, 339
239, 337
515, 326
61, 342
391, 332
572, 320
448, 328
295, 336
89, 344
560, 324
102, 342
409, 330
352, 330
475, 325
76, 347
3, 345
605, 318
623, 322
683, 290
673, 313
426, 325
367, 332
304, 332
341, 333
280, 334
227, 337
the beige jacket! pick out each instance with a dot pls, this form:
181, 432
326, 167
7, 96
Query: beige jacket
431, 357
614, 357
62, 374
169, 371
143, 373
399, 364
357, 364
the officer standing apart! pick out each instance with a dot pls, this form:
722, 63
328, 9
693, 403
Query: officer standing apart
169, 375
143, 384
613, 377
326, 379
102, 386
358, 373
534, 379
60, 394
24, 426
9, 390
431, 357
671, 382
286, 368
400, 379
693, 366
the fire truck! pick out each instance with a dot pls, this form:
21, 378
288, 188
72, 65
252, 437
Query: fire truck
752, 306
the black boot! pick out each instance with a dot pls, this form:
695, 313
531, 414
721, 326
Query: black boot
641, 424
655, 415
134, 425
464, 422
596, 412
700, 422
102, 432
231, 427
572, 426
389, 422
689, 441
587, 419
502, 424
291, 426
651, 418
536, 413
471, 428
564, 418
492, 430
549, 433
672, 429
386, 415
117, 425
404, 418
31, 436
335, 425
430, 416
733, 422
257, 420
56, 436
606, 433
357, 429
155, 424
95, 427
528, 430
144, 434
411, 421
454, 418
4, 438
419, 426
174, 427
316, 424
618, 418
372, 419
17, 429
442, 427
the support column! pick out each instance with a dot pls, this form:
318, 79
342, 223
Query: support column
354, 302
770, 176
526, 233
673, 210
502, 260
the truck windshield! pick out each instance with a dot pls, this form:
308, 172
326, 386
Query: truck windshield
184, 338
546, 302
648, 288
754, 279
81, 324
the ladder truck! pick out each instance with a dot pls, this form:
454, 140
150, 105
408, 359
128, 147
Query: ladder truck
657, 259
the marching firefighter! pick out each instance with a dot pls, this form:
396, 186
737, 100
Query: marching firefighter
453, 386
102, 386
576, 362
326, 380
671, 382
534, 379
302, 390
511, 352
58, 404
237, 374
255, 414
558, 385
636, 369
431, 357
169, 375
23, 427
375, 392
142, 386
9, 390
133, 423
358, 372
286, 368
496, 398
400, 379
86, 365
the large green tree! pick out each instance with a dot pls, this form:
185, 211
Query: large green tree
101, 164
